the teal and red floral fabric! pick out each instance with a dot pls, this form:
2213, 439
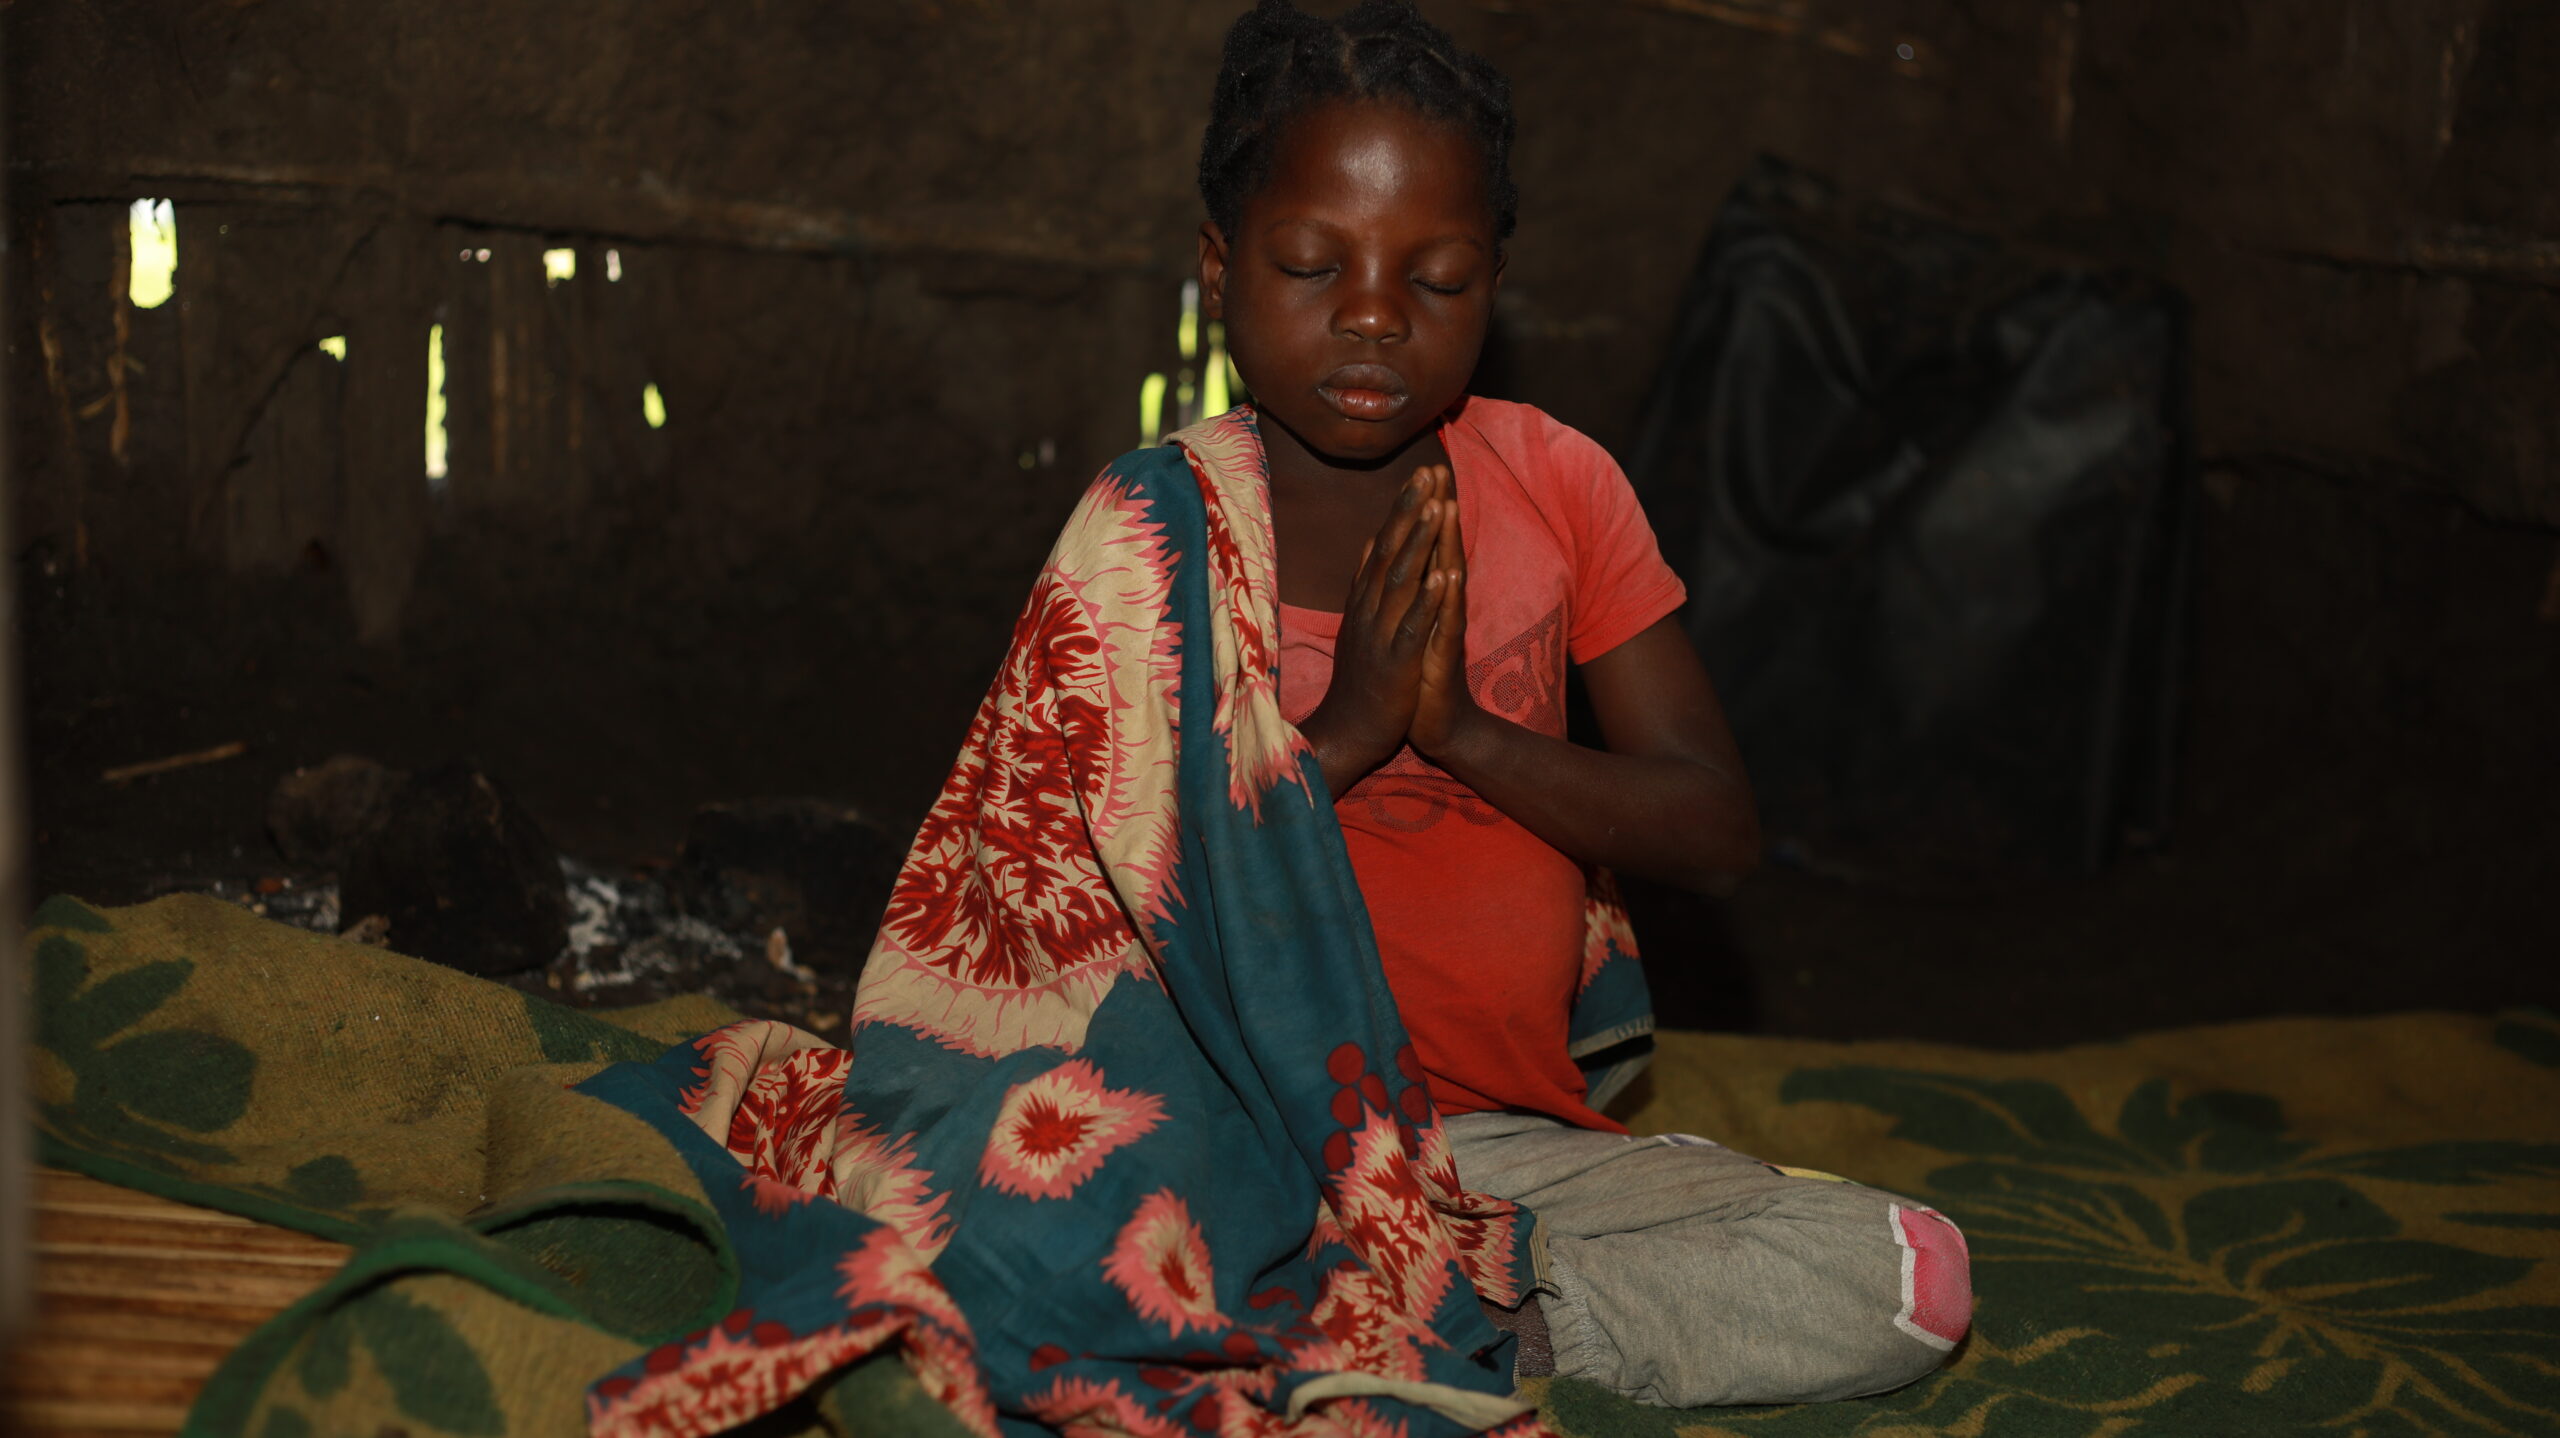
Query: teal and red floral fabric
1126, 1137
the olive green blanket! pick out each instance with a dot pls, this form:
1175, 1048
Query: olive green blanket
2307, 1224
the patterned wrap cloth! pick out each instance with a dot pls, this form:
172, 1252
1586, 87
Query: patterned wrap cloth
1127, 1137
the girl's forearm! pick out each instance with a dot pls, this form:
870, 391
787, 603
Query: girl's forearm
1676, 820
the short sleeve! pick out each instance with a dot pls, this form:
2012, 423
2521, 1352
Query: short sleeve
1621, 586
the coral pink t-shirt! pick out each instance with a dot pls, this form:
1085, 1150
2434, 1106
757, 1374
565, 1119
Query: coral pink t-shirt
1480, 922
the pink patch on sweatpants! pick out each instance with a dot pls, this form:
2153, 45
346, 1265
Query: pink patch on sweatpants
1937, 1277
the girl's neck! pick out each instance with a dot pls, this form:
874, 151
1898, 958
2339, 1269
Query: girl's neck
1299, 470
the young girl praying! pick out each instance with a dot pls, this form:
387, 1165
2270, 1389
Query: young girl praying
1441, 557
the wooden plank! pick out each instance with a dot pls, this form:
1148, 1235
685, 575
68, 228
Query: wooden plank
388, 296
150, 1283
194, 1235
138, 1300
58, 1419
282, 491
71, 1209
219, 1326
174, 1253
556, 205
53, 1380
215, 1328
256, 286
465, 308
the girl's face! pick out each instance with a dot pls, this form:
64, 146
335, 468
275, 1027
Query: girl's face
1360, 280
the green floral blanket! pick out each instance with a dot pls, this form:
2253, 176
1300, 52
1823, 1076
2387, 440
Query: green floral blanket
2341, 1226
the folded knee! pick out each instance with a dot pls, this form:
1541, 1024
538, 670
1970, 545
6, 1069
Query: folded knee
1931, 1303
1896, 1297
1826, 1291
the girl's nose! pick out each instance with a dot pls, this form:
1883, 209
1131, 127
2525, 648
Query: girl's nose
1370, 312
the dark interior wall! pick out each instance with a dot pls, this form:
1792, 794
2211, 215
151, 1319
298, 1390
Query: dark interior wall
876, 256
2358, 197
2357, 200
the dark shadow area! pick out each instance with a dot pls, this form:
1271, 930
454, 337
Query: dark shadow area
1700, 979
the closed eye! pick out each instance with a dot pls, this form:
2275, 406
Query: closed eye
1457, 289
1296, 273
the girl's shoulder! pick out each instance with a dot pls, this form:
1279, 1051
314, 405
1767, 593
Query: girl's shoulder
1553, 462
1510, 427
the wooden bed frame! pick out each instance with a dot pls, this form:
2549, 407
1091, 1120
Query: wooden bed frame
137, 1300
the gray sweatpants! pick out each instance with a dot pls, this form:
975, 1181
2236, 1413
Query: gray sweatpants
1680, 1273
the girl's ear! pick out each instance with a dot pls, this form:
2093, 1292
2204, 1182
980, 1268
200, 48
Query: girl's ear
1213, 271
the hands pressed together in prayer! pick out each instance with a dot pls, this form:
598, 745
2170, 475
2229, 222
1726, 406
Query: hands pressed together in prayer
1666, 799
1400, 662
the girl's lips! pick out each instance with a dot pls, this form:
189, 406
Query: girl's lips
1363, 403
1364, 391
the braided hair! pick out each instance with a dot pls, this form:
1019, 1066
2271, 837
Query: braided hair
1281, 61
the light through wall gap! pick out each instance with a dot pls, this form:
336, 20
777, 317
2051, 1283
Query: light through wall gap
1186, 394
1201, 384
437, 475
151, 230
1214, 396
1150, 411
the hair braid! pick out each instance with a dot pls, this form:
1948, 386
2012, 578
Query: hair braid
1280, 61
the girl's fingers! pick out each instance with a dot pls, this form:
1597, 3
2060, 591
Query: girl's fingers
1362, 591
1450, 638
1415, 629
1445, 657
1451, 552
1413, 559
1402, 582
1389, 543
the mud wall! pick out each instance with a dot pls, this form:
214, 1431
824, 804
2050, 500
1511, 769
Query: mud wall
870, 256
895, 273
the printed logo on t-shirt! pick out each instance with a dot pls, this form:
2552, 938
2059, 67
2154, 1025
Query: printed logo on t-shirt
1523, 681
